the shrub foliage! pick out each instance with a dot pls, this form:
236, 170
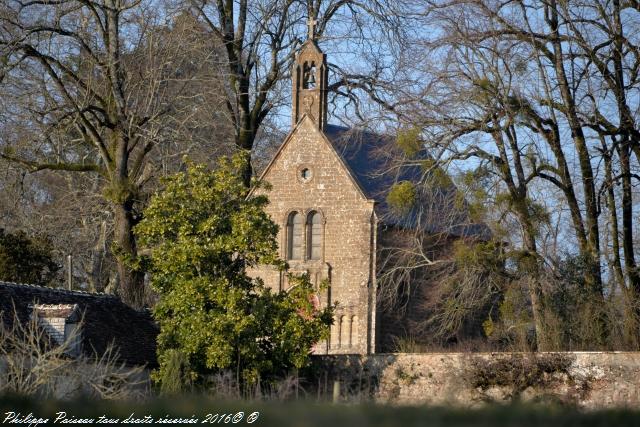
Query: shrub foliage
26, 260
203, 231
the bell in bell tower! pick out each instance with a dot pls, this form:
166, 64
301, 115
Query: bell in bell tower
310, 75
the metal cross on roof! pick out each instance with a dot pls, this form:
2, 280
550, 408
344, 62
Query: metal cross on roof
312, 28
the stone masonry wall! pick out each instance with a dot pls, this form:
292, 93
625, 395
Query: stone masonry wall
347, 233
590, 380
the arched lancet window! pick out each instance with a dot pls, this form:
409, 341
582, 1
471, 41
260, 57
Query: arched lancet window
294, 236
314, 235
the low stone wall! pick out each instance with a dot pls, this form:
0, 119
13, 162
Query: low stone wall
587, 379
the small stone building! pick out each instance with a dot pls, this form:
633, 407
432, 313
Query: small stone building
94, 321
327, 203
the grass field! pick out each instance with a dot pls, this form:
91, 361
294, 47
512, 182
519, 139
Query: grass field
197, 410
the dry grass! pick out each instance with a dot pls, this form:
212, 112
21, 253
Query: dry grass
31, 364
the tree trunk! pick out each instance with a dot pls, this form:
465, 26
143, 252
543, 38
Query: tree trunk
131, 286
244, 141
518, 192
98, 259
615, 262
593, 276
533, 271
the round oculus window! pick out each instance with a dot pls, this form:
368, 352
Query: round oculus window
304, 174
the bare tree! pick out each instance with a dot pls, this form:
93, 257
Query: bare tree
260, 40
428, 281
101, 87
539, 94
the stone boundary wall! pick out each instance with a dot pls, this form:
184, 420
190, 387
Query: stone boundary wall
590, 380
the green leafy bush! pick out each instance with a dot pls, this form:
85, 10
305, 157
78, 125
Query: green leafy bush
203, 231
24, 259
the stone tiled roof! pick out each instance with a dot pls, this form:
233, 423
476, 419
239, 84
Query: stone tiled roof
106, 320
373, 160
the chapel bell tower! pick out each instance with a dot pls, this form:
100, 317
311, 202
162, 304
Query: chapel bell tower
310, 75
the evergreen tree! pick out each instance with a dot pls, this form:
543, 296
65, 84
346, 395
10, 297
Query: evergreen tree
203, 231
26, 260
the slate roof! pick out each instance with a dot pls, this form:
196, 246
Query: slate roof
370, 157
375, 161
106, 320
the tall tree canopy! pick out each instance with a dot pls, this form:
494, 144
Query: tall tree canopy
533, 101
101, 87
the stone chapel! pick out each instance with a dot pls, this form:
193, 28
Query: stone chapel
326, 209
328, 196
